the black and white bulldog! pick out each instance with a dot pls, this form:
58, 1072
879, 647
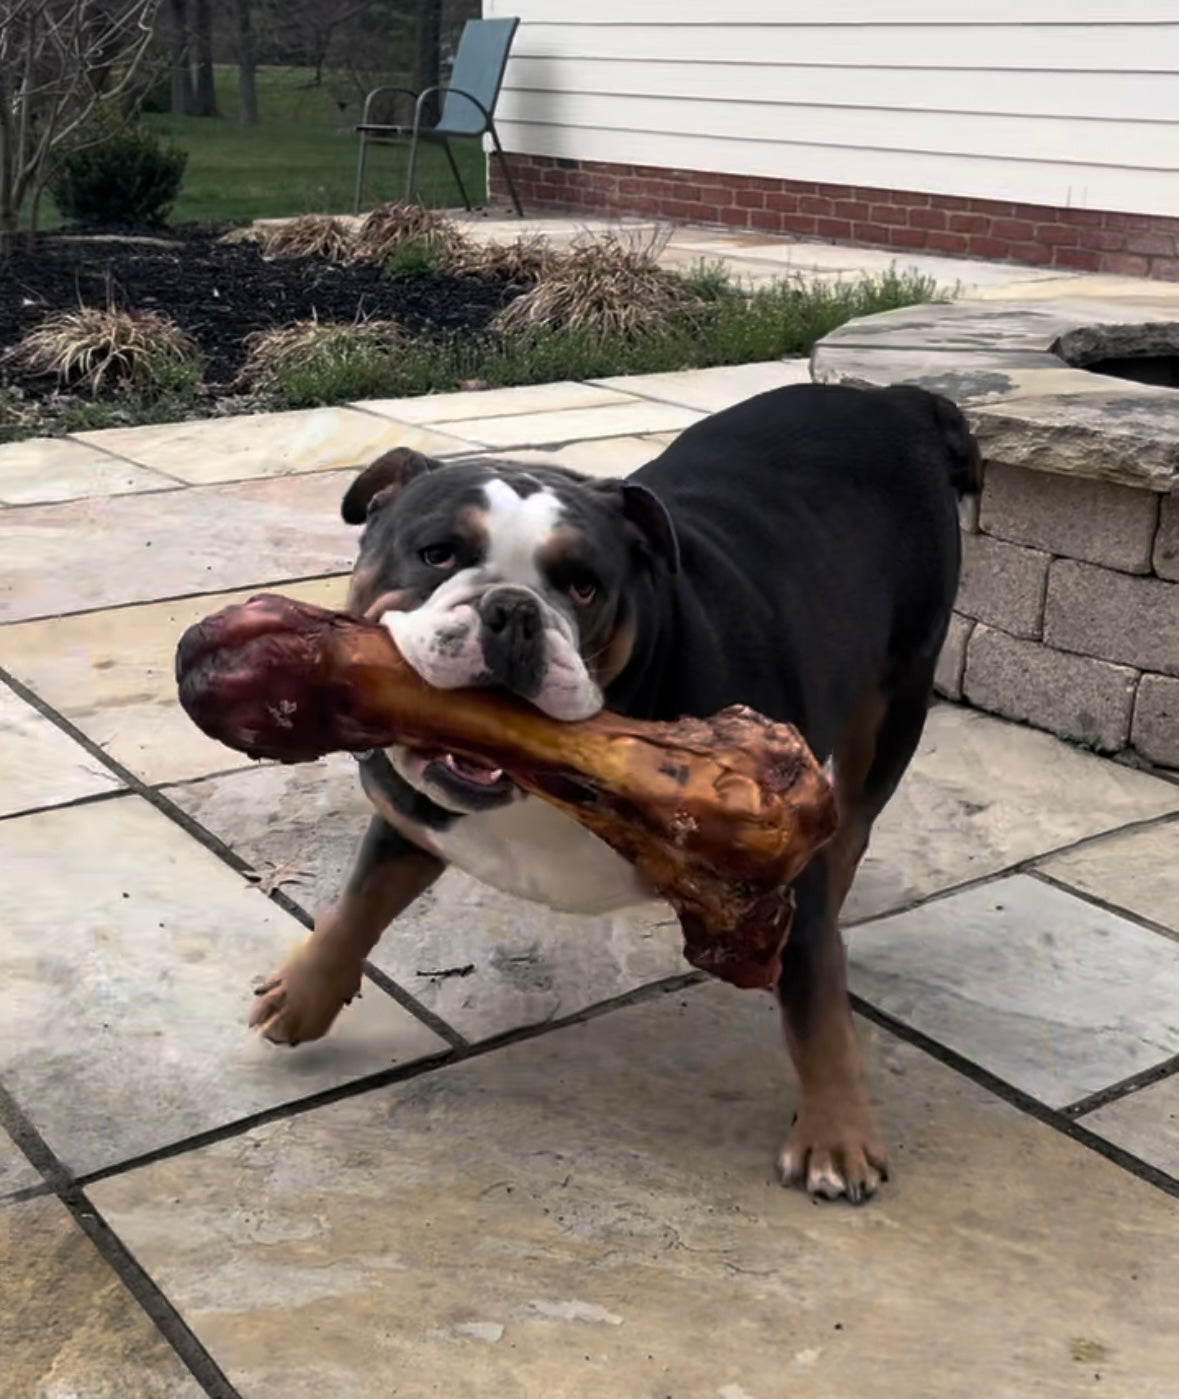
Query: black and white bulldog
797, 553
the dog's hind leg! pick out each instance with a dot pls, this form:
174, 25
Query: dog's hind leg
834, 1146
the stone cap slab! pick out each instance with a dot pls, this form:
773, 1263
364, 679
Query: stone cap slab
1006, 365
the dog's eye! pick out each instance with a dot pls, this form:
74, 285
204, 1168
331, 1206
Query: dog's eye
582, 591
438, 555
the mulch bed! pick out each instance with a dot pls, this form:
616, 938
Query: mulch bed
220, 292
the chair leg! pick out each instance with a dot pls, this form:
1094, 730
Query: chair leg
411, 169
458, 179
360, 163
503, 165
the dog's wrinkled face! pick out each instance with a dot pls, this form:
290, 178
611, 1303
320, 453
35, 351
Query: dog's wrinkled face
489, 573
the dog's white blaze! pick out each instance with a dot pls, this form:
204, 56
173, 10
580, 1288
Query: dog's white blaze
534, 852
517, 526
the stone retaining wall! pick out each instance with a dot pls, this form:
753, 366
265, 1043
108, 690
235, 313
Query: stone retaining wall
1067, 617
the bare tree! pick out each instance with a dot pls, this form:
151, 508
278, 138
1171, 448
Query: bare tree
183, 92
247, 62
206, 86
59, 61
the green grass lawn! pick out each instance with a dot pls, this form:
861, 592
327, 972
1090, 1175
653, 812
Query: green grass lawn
300, 158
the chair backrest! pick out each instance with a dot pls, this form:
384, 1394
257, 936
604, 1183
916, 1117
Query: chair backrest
478, 69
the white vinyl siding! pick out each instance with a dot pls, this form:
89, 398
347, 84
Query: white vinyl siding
1059, 102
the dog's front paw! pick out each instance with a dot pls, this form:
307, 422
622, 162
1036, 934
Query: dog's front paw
835, 1150
300, 1001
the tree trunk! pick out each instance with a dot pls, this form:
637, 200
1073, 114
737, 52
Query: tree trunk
206, 88
429, 47
247, 64
183, 95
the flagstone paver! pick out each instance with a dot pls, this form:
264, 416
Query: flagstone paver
112, 674
1053, 995
44, 469
1135, 870
435, 408
126, 965
85, 555
17, 1172
1146, 1123
709, 390
984, 795
595, 1214
485, 962
70, 1327
39, 765
253, 445
636, 417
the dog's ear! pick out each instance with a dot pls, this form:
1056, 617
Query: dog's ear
379, 483
647, 516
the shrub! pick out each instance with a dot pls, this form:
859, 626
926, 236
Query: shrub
131, 177
97, 349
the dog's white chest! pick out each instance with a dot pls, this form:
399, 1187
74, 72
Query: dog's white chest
531, 850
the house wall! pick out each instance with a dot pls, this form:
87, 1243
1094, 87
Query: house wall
769, 119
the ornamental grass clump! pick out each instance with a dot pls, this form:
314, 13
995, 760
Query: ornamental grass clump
106, 349
392, 230
525, 260
312, 235
604, 286
312, 362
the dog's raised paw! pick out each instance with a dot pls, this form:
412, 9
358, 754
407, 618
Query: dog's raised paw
300, 1001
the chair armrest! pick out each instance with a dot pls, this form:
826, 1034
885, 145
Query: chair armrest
376, 92
429, 92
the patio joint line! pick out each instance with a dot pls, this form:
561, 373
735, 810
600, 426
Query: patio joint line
90, 799
129, 461
168, 808
1124, 1088
1119, 910
1017, 1098
138, 1282
383, 1078
174, 597
1029, 866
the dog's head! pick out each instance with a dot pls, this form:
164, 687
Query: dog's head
490, 573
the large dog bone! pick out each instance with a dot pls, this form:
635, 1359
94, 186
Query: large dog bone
718, 815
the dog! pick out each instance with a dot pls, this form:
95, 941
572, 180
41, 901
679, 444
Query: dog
798, 553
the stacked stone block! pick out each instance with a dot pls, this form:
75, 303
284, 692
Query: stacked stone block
1067, 616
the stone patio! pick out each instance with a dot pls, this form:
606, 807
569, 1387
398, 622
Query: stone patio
535, 1158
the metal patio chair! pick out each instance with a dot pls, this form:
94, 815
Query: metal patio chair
468, 107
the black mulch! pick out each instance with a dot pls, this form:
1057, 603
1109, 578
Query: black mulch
220, 292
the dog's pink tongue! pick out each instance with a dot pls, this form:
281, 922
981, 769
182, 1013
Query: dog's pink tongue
474, 770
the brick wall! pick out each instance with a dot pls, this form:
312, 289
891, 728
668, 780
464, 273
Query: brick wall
1083, 240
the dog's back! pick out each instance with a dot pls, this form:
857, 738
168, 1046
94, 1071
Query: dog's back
819, 532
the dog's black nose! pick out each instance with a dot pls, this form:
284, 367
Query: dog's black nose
513, 639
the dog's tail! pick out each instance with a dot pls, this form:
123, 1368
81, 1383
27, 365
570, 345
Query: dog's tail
962, 453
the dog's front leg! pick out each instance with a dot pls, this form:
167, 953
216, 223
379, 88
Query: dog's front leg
300, 1000
834, 1147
